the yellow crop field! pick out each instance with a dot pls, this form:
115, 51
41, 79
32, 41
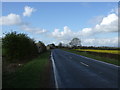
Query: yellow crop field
101, 51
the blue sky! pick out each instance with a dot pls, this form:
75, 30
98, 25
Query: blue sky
60, 22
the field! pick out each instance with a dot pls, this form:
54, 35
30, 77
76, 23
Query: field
108, 57
101, 51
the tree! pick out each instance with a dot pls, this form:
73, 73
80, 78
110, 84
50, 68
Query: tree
18, 46
75, 42
60, 45
41, 47
51, 46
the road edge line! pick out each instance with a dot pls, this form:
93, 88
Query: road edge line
54, 71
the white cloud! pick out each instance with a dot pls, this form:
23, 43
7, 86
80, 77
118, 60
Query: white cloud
100, 41
86, 32
10, 19
14, 19
28, 11
109, 19
32, 29
65, 34
108, 24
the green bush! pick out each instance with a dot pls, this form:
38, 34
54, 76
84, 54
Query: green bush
18, 46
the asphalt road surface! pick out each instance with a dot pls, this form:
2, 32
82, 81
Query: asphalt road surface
0, 71
75, 71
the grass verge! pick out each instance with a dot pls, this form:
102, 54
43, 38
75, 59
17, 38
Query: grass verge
105, 59
34, 74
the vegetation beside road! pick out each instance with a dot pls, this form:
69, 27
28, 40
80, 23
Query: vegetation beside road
25, 63
18, 46
33, 74
100, 58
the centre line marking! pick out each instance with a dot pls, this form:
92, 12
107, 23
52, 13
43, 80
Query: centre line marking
84, 64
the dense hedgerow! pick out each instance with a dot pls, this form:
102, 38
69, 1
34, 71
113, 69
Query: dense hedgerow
18, 46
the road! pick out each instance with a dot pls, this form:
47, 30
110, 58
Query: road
0, 71
75, 71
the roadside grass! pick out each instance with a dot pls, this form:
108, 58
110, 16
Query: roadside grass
0, 51
101, 51
0, 48
34, 74
104, 59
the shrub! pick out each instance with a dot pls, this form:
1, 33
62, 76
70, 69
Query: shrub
19, 46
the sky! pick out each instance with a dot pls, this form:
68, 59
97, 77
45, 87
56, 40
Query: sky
94, 23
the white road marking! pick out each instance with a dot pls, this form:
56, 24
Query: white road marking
99, 61
54, 71
93, 59
84, 64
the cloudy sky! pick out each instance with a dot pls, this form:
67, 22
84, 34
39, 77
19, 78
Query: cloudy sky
95, 23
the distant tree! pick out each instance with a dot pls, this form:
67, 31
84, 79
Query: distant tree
75, 42
60, 45
41, 47
51, 46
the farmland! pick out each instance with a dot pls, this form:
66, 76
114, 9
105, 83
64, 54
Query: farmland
108, 57
100, 51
